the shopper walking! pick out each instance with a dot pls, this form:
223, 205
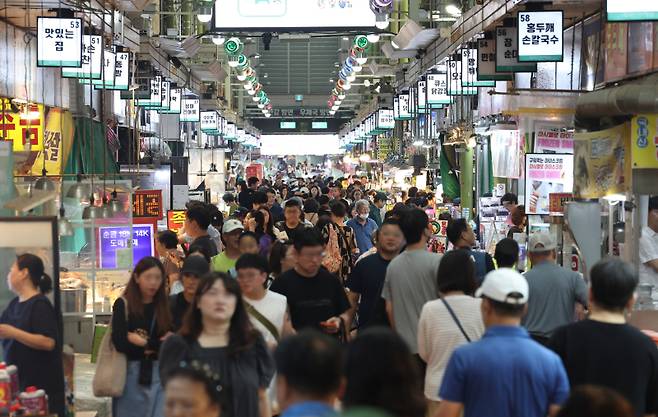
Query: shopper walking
630, 358
364, 227
449, 322
218, 334
554, 291
197, 221
140, 321
381, 373
377, 206
225, 261
367, 278
192, 391
506, 373
309, 371
194, 267
30, 331
293, 224
315, 297
340, 240
461, 235
411, 279
507, 253
282, 259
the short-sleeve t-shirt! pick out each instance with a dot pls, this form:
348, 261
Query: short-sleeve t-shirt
311, 300
206, 243
38, 368
505, 374
648, 252
617, 356
273, 307
410, 283
367, 279
222, 263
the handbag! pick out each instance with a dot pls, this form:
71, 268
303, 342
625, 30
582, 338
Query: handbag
454, 317
111, 368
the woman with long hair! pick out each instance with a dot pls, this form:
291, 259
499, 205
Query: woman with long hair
30, 331
218, 333
141, 319
259, 222
282, 259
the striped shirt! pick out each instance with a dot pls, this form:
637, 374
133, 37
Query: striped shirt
439, 335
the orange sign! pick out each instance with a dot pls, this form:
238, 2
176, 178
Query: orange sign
175, 220
557, 201
22, 126
147, 203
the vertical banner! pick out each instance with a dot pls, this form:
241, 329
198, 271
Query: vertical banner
122, 71
644, 141
601, 166
470, 70
57, 142
91, 59
546, 175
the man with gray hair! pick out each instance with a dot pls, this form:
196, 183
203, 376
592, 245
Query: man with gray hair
363, 226
554, 291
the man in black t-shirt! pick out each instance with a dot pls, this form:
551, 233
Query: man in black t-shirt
604, 350
316, 297
367, 278
289, 228
197, 221
194, 267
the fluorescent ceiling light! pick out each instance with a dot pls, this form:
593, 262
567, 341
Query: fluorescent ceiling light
373, 38
453, 10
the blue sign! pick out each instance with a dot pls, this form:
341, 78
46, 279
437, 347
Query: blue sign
112, 239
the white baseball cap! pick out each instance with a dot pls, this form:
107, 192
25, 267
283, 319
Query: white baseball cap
232, 225
541, 242
504, 285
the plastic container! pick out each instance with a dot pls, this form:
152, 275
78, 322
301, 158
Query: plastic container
12, 370
5, 385
34, 401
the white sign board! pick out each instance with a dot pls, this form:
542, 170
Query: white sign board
546, 174
91, 60
437, 92
59, 42
231, 15
107, 77
403, 110
121, 71
165, 93
486, 65
540, 36
422, 94
470, 70
190, 110
174, 101
231, 131
385, 119
210, 121
632, 10
156, 92
454, 77
507, 52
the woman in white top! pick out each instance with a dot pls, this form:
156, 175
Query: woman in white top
438, 332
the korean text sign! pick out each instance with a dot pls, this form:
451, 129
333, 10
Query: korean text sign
59, 42
147, 203
546, 174
190, 110
644, 141
540, 36
112, 239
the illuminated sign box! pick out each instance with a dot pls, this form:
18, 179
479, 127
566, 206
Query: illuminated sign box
288, 125
319, 125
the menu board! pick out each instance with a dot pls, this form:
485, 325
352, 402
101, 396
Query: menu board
147, 203
546, 174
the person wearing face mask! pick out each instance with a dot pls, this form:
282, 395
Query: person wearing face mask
218, 333
363, 226
141, 320
29, 331
461, 235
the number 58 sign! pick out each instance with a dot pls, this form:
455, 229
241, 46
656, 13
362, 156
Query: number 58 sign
540, 36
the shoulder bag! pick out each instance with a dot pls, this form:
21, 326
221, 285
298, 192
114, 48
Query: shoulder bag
111, 367
263, 320
454, 317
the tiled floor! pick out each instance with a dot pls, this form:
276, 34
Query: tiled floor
84, 397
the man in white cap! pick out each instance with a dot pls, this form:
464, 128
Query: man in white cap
554, 291
505, 373
225, 261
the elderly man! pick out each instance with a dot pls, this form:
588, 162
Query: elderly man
363, 226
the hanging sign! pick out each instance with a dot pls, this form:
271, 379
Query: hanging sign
455, 80
602, 164
631, 10
175, 220
210, 122
231, 131
121, 71
507, 52
155, 93
486, 61
385, 119
540, 36
552, 139
92, 62
190, 110
644, 141
396, 108
437, 88
59, 42
470, 70
403, 109
422, 95
545, 175
174, 101
165, 93
107, 76
147, 203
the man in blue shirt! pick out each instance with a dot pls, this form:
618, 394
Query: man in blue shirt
363, 226
309, 371
506, 373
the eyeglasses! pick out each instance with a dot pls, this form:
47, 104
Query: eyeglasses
313, 255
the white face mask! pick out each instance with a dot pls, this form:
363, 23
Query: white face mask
364, 216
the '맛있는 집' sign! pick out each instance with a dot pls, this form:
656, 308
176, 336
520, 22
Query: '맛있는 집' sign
59, 42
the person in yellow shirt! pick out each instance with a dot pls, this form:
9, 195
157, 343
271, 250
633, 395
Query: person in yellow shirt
225, 261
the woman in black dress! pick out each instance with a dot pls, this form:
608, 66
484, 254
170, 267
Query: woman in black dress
217, 332
30, 331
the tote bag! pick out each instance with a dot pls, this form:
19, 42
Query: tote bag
111, 368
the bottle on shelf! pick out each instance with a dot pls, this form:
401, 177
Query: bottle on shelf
34, 401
